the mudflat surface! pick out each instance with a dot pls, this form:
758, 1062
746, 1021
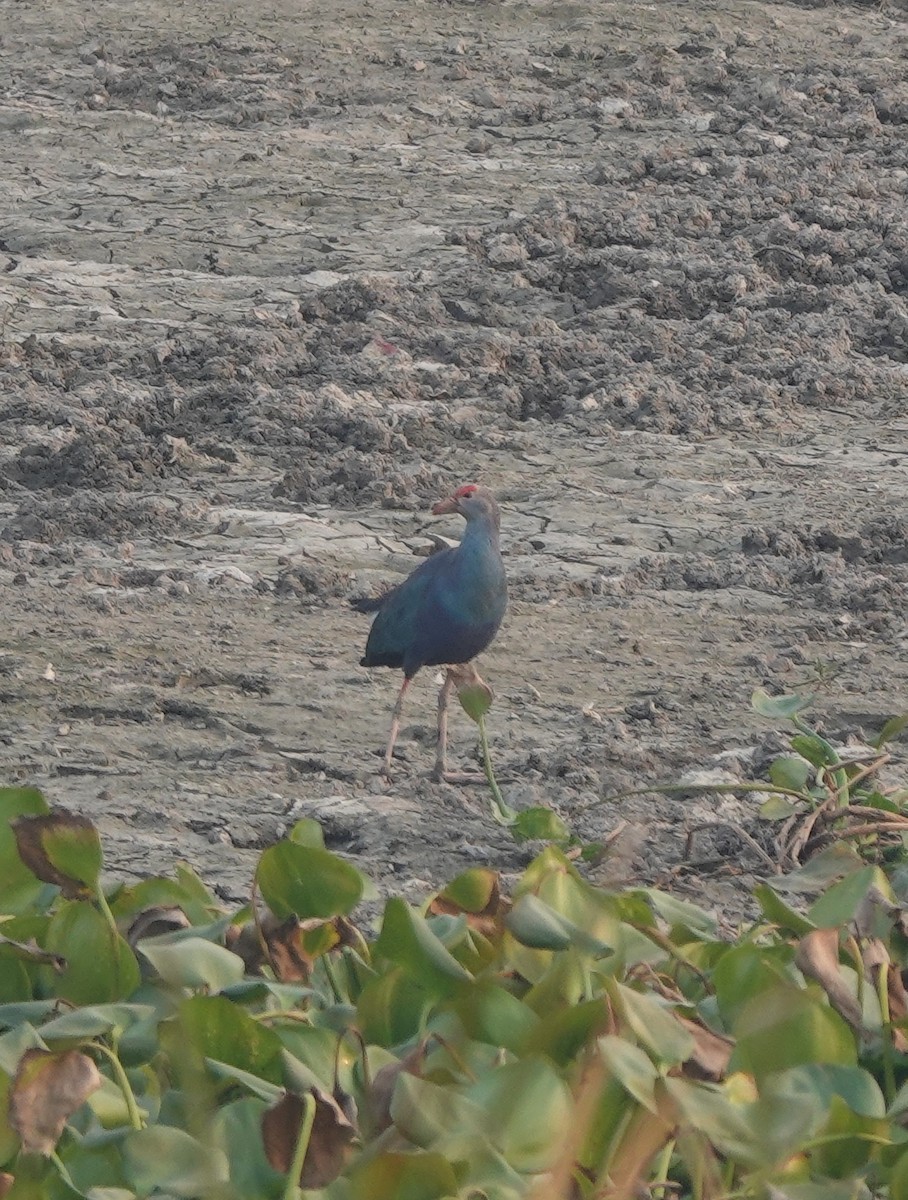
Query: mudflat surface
272, 283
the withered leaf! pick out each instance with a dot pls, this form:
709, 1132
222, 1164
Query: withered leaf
382, 1088
47, 1089
711, 1055
876, 961
818, 957
330, 1145
6, 1183
488, 920
158, 919
40, 840
292, 944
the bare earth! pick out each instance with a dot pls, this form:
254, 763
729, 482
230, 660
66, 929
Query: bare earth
271, 284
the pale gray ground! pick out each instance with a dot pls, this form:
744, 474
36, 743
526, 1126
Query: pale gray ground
271, 284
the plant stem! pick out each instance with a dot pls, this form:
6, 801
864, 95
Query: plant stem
501, 812
59, 1164
661, 1181
292, 1189
122, 1081
108, 915
888, 1068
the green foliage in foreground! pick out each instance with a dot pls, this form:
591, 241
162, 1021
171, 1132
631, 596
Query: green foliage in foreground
564, 1042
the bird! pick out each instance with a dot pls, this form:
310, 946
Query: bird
443, 614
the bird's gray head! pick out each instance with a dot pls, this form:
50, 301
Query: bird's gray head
472, 501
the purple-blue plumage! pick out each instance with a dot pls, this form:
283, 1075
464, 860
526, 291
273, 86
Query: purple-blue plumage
451, 607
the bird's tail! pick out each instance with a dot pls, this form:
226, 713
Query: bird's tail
367, 604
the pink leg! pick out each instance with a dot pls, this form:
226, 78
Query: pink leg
441, 747
395, 727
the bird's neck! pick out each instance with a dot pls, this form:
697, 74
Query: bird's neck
480, 537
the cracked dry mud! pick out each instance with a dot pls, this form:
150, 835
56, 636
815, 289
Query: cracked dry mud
273, 280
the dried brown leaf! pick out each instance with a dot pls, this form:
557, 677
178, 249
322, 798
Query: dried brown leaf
291, 946
876, 962
6, 1183
30, 831
244, 940
818, 957
712, 1052
151, 922
330, 1144
488, 920
46, 1091
382, 1088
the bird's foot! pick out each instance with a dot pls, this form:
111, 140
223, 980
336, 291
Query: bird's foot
442, 775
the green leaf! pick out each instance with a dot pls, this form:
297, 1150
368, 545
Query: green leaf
632, 1068
425, 1113
95, 1021
779, 913
307, 881
159, 892
763, 1132
778, 808
286, 995
15, 982
19, 888
560, 1034
856, 1087
680, 914
100, 965
9, 1139
815, 749
790, 773
653, 1023
823, 869
162, 1158
539, 823
475, 699
31, 1011
528, 1112
492, 1014
109, 1106
268, 1092
787, 1026
472, 890
308, 832
73, 846
217, 1028
407, 940
236, 1132
192, 962
851, 1142
898, 1180
536, 924
778, 706
400, 1176
556, 881
746, 971
893, 727
839, 903
392, 1008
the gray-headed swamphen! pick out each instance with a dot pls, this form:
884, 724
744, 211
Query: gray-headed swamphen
445, 613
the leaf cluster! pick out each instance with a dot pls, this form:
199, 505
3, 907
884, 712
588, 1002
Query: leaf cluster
561, 1043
